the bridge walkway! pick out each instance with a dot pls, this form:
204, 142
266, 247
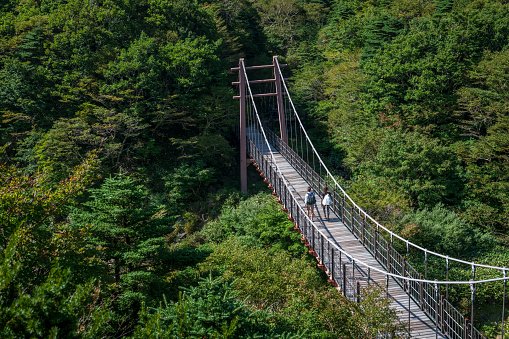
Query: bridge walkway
421, 326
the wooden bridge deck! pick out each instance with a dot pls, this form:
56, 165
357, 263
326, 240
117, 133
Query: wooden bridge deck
419, 323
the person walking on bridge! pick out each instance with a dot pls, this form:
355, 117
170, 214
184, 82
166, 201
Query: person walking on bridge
326, 203
310, 201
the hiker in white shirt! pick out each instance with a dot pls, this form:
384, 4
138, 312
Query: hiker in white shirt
326, 203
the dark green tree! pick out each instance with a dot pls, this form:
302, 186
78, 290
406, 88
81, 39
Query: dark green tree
211, 309
127, 234
46, 286
483, 112
378, 31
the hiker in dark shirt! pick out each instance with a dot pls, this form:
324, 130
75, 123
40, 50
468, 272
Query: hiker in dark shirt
310, 201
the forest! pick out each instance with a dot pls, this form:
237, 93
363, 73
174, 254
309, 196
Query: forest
120, 206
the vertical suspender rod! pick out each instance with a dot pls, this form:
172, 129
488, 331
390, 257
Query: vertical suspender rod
243, 136
280, 104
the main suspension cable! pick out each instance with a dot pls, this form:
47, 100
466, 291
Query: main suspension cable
391, 233
354, 260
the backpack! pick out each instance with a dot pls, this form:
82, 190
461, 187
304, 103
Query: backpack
311, 200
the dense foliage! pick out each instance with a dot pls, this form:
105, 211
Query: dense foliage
119, 213
413, 96
116, 150
129, 91
413, 93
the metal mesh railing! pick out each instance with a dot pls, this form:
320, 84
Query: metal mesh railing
447, 318
342, 268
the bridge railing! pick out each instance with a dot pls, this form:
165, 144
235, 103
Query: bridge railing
345, 271
341, 268
447, 318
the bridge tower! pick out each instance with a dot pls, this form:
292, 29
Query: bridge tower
242, 83
353, 248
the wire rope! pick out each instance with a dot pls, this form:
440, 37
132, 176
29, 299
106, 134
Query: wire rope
392, 234
354, 260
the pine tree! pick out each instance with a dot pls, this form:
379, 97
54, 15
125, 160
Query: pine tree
128, 231
379, 31
444, 6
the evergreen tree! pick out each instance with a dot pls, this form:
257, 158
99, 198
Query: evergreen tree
211, 309
378, 31
127, 229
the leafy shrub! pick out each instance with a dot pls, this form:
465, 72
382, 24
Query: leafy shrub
210, 310
258, 221
441, 230
296, 295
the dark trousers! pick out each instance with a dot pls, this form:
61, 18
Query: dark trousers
326, 211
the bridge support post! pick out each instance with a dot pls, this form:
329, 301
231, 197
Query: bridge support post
243, 136
437, 308
358, 294
344, 280
280, 104
472, 300
503, 305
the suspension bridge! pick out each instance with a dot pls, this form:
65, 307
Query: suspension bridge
354, 250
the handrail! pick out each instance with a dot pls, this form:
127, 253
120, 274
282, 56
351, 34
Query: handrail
424, 292
440, 282
454, 318
391, 233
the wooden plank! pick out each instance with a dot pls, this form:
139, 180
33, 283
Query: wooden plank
421, 325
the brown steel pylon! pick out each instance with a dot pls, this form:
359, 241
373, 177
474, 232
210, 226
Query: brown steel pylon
242, 83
